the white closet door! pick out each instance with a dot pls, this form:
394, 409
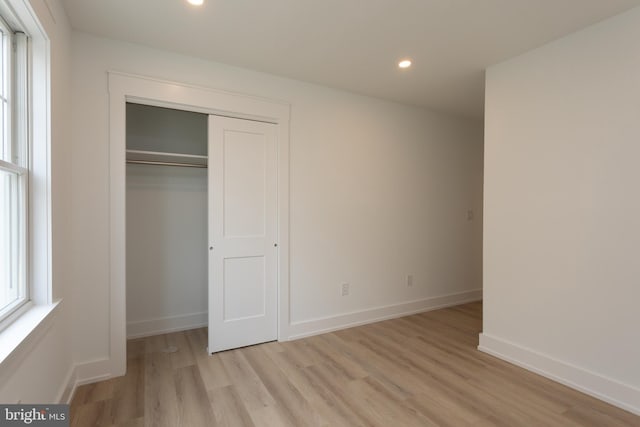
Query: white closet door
242, 232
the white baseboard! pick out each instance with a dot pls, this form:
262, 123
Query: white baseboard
307, 328
609, 390
99, 370
83, 373
68, 387
91, 372
145, 328
102, 369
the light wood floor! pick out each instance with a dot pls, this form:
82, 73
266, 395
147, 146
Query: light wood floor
422, 370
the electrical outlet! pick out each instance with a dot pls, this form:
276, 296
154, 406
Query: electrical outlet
469, 215
410, 280
345, 289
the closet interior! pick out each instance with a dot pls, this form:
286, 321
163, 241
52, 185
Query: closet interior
166, 220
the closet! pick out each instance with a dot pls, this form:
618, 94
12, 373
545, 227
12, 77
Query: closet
166, 220
201, 225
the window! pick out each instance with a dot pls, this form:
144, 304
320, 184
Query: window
26, 291
14, 169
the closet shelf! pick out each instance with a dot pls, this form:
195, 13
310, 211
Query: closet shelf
166, 159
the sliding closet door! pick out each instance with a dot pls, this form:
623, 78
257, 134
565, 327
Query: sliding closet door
242, 233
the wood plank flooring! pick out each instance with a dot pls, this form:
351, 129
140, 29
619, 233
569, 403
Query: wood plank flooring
422, 370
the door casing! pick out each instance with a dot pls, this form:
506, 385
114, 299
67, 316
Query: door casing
125, 88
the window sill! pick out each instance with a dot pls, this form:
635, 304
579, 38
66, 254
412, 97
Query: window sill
18, 338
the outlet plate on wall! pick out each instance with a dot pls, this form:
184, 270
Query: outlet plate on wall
345, 289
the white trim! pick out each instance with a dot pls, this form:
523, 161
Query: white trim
13, 168
100, 370
38, 182
81, 374
150, 91
84, 373
68, 387
94, 371
612, 391
322, 325
165, 325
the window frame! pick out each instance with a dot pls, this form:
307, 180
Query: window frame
15, 79
31, 319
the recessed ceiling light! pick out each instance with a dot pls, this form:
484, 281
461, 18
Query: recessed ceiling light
405, 63
196, 2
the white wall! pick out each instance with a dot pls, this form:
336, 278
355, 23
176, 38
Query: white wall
378, 191
42, 376
562, 213
166, 249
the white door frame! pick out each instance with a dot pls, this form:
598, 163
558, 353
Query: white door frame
125, 88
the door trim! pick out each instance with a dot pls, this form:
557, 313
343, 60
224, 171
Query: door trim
125, 88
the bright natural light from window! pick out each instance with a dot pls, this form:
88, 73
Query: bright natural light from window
13, 171
10, 260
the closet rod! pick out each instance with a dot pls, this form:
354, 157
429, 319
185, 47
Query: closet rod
152, 162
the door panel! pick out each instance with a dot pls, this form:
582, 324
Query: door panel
244, 288
244, 183
242, 232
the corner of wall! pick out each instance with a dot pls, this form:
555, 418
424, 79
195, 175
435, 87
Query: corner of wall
609, 390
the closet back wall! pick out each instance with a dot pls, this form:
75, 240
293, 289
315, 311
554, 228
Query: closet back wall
166, 224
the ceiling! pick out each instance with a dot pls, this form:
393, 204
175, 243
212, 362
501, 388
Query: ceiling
353, 44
